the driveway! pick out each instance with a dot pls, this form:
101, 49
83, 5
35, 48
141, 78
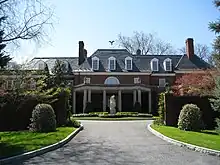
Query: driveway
121, 143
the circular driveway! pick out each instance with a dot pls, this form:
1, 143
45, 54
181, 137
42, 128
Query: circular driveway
121, 143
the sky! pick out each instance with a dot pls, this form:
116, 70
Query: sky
97, 21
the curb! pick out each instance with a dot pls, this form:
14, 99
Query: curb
182, 144
43, 150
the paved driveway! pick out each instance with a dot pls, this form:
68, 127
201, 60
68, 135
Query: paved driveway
121, 143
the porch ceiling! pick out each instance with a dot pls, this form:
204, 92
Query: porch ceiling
100, 87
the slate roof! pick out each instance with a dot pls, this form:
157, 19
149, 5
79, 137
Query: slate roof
141, 63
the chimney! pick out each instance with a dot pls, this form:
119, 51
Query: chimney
189, 48
81, 58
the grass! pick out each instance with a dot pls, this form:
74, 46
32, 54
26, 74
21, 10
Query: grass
206, 138
13, 143
110, 119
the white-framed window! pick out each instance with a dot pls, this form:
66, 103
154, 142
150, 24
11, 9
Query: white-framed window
162, 82
95, 63
128, 63
112, 63
137, 80
112, 81
87, 80
154, 64
41, 65
167, 64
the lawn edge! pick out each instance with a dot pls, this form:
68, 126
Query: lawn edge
183, 144
28, 155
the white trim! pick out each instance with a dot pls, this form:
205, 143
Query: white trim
95, 59
164, 64
100, 88
126, 63
114, 59
112, 73
163, 74
151, 64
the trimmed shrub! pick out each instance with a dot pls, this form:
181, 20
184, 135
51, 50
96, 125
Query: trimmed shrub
190, 118
144, 115
72, 123
43, 119
85, 115
111, 116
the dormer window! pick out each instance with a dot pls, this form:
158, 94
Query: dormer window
95, 63
167, 64
154, 64
128, 63
112, 63
66, 66
41, 65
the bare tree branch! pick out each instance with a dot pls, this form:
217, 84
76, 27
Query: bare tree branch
26, 20
147, 43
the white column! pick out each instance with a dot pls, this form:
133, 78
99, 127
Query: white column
74, 102
139, 96
119, 100
134, 97
149, 95
104, 100
89, 95
84, 100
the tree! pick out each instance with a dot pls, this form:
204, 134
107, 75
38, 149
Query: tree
201, 50
215, 27
59, 71
148, 43
196, 84
4, 59
24, 20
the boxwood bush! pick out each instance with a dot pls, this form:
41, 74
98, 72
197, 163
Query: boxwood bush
190, 118
43, 119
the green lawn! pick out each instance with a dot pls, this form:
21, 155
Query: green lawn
105, 118
12, 143
207, 138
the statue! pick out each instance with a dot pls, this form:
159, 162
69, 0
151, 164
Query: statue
112, 104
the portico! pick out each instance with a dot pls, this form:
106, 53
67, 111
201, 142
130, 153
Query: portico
103, 92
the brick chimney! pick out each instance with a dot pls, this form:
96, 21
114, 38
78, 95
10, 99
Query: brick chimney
81, 53
189, 47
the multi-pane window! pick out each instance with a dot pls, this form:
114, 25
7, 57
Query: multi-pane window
167, 65
162, 82
154, 64
111, 63
128, 63
40, 65
95, 63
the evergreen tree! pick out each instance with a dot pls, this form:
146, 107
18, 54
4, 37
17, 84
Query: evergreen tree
215, 27
59, 71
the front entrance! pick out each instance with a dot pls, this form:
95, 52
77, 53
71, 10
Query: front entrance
99, 97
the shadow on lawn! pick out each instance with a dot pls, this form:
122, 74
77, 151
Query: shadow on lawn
209, 132
7, 150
